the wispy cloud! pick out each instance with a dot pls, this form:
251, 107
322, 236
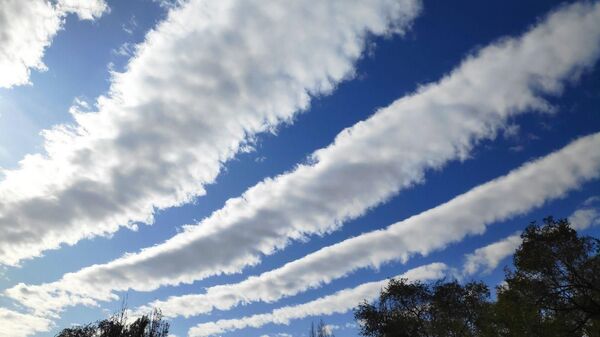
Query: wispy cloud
348, 177
127, 49
27, 30
201, 84
130, 26
340, 302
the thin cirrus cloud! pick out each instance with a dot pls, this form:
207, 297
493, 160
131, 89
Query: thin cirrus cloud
339, 302
204, 81
27, 30
347, 178
546, 179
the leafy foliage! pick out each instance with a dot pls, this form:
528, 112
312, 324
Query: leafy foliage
419, 309
554, 290
555, 287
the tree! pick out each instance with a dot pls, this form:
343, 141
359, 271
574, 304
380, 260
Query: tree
151, 325
553, 291
425, 310
555, 285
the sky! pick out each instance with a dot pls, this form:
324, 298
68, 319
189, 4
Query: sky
250, 167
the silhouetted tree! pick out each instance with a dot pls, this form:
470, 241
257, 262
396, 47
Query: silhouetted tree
151, 325
417, 309
553, 291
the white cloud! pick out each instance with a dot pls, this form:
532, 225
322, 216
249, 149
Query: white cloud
15, 324
467, 214
27, 30
340, 302
587, 215
202, 83
487, 258
348, 177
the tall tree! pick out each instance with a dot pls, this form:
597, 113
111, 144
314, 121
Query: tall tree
555, 285
552, 291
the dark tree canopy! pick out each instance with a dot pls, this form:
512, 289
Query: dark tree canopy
555, 285
416, 309
554, 290
151, 325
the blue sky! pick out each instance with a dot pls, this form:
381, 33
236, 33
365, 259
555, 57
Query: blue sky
203, 112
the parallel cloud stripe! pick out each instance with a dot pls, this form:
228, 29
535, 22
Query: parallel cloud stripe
340, 302
451, 115
547, 178
201, 85
27, 30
